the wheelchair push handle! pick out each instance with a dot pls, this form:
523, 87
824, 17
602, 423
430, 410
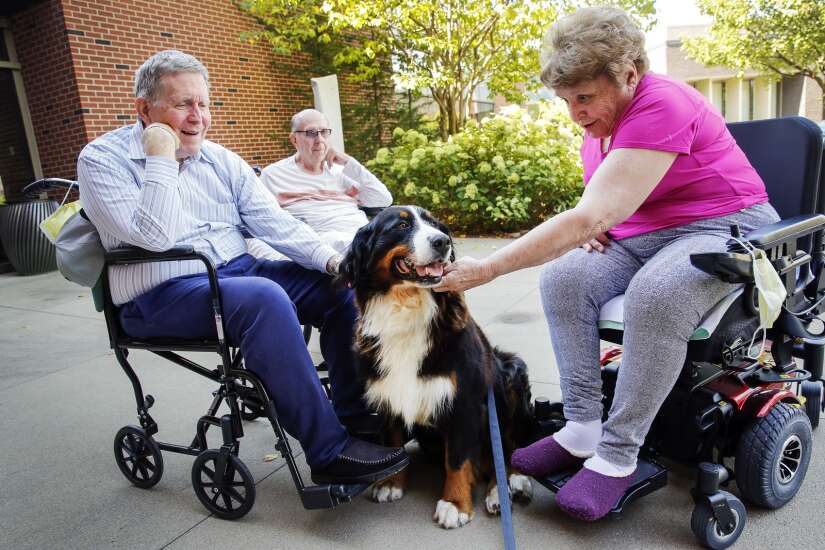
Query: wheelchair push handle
43, 185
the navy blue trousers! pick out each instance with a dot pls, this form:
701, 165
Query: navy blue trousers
264, 304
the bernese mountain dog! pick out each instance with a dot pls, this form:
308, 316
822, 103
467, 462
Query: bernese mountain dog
426, 364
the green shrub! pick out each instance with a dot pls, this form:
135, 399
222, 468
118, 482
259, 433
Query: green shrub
508, 173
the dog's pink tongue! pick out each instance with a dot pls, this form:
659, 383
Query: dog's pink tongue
431, 270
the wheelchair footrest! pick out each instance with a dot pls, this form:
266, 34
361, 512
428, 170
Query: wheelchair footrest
649, 476
317, 497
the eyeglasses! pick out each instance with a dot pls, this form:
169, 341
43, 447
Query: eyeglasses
312, 134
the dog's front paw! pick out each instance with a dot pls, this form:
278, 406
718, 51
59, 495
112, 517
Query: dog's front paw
385, 493
521, 488
492, 502
448, 515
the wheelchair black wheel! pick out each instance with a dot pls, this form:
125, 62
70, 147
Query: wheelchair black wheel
772, 456
707, 529
227, 492
138, 457
812, 392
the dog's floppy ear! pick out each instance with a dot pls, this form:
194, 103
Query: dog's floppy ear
357, 256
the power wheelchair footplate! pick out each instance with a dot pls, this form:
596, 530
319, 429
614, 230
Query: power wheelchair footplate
649, 476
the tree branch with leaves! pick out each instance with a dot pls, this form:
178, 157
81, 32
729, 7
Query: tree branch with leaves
444, 48
785, 38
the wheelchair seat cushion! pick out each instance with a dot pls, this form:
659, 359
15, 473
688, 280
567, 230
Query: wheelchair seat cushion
611, 315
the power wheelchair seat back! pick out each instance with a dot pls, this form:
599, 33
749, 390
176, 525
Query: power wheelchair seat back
760, 412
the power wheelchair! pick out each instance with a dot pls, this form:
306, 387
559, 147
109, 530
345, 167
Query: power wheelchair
758, 412
220, 479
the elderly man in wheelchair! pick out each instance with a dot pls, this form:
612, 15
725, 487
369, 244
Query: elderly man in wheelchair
160, 186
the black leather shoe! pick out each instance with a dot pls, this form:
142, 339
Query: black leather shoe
362, 462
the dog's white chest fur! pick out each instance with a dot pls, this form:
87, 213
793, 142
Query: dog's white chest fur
400, 321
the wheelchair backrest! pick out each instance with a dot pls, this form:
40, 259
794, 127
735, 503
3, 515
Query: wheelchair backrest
787, 154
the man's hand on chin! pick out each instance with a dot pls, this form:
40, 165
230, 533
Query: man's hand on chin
160, 140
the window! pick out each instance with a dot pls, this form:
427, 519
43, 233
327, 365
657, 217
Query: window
19, 160
751, 99
4, 50
778, 95
723, 89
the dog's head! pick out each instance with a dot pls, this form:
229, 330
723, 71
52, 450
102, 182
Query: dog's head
403, 245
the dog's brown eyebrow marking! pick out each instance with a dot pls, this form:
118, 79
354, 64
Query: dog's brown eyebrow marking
404, 214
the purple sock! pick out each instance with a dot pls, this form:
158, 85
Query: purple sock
589, 495
543, 457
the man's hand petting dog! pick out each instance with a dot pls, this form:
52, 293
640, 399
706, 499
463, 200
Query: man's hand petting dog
465, 273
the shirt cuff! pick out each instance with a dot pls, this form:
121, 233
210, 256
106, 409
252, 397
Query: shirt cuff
322, 257
161, 170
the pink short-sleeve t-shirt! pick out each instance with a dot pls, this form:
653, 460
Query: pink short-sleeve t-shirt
710, 177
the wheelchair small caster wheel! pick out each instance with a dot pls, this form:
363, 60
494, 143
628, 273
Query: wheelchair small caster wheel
223, 484
812, 392
138, 457
706, 527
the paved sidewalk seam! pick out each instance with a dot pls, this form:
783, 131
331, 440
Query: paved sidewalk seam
210, 515
95, 318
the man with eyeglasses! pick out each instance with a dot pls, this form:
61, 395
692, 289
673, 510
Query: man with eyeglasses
321, 186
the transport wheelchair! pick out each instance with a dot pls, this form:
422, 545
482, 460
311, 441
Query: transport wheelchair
736, 418
220, 479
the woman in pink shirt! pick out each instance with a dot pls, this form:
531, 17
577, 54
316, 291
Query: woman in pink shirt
663, 178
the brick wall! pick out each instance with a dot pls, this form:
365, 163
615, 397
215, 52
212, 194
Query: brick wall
81, 55
49, 80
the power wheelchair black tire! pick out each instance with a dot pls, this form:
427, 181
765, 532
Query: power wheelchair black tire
706, 527
138, 457
223, 497
773, 455
812, 392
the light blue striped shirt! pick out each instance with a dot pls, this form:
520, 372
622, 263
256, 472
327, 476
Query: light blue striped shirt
156, 203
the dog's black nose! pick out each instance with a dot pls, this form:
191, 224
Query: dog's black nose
440, 243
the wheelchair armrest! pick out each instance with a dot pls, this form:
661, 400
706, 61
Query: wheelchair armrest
731, 267
782, 231
135, 255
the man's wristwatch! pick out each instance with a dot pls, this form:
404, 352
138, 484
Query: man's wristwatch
333, 264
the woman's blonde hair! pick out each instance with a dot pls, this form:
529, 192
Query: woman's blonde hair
591, 42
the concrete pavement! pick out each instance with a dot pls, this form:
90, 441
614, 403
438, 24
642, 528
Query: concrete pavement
63, 397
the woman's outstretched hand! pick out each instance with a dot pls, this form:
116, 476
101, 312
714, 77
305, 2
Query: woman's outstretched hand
465, 273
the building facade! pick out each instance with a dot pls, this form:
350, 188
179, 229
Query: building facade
67, 68
750, 96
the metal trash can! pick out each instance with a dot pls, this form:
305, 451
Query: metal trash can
28, 250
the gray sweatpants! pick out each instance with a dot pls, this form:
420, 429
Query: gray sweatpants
665, 299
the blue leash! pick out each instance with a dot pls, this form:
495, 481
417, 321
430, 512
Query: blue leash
501, 474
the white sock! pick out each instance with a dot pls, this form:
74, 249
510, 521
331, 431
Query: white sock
580, 438
601, 466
